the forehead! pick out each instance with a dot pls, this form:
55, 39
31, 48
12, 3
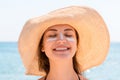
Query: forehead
58, 27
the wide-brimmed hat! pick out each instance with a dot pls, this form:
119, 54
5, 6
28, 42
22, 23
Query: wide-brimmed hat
93, 35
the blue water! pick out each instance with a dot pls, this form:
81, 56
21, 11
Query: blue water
11, 67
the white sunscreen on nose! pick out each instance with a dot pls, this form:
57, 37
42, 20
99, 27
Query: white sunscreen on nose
68, 38
61, 36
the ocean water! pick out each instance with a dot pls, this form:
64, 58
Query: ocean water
11, 67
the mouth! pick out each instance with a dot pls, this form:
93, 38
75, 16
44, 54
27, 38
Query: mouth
61, 49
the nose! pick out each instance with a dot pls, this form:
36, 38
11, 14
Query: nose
61, 38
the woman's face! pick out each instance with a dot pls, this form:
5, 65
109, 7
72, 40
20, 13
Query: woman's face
59, 42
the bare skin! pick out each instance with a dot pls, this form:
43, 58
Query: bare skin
60, 45
81, 77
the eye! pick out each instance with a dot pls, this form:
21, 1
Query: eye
68, 35
52, 35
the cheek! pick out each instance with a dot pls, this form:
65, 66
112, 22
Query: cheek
48, 46
51, 39
47, 49
73, 43
48, 42
71, 39
74, 46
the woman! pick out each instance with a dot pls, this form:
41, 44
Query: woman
64, 43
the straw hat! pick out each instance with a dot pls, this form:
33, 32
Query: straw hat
93, 43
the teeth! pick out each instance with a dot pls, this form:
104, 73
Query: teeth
61, 49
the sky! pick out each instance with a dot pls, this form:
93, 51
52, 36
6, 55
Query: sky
14, 14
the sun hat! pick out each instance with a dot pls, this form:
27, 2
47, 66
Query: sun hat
93, 35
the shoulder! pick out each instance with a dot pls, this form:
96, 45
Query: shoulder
42, 78
82, 77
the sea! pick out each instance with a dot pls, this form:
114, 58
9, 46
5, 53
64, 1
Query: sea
11, 66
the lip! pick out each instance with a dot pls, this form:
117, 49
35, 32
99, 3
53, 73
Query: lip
61, 48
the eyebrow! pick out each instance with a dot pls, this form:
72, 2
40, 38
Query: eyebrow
51, 30
64, 30
68, 29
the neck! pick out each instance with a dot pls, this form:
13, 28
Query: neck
62, 70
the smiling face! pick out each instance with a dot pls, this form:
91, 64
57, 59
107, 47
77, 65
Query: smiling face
59, 41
